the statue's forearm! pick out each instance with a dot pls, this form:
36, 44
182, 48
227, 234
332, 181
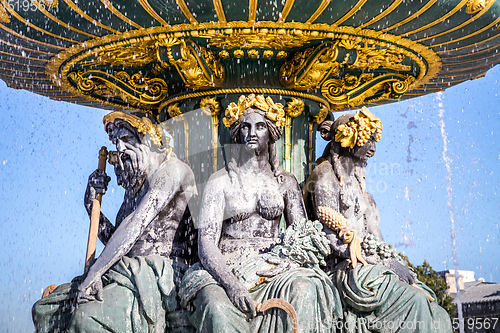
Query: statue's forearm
90, 195
213, 261
337, 245
120, 244
106, 229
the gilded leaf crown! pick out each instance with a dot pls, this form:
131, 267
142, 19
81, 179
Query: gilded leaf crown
274, 111
359, 130
143, 125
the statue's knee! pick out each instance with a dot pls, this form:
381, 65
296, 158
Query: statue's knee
78, 319
419, 296
303, 287
213, 300
215, 308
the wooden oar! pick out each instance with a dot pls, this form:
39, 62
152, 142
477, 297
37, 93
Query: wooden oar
96, 213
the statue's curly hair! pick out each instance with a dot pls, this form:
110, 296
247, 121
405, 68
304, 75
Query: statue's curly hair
143, 138
335, 146
332, 150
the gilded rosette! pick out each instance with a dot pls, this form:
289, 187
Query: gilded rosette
210, 106
294, 108
174, 110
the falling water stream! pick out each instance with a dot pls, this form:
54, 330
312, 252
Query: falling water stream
446, 160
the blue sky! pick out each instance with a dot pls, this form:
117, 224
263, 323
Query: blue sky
49, 149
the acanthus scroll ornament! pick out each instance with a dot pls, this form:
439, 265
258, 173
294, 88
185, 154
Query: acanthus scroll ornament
474, 6
196, 65
4, 16
211, 107
134, 89
276, 39
134, 55
307, 70
351, 71
293, 109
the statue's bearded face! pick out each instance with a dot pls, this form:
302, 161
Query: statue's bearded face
130, 165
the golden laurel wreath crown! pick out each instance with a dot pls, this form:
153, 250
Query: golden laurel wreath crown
274, 111
143, 125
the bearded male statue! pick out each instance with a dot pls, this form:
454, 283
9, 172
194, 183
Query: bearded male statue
132, 286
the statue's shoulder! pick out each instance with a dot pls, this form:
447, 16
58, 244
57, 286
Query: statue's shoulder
324, 171
174, 166
180, 166
288, 176
220, 178
174, 171
219, 175
369, 199
322, 178
287, 180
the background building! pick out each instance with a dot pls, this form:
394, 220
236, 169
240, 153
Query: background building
480, 301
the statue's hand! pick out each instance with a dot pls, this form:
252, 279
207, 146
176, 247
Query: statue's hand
241, 299
283, 265
98, 183
403, 272
90, 290
98, 180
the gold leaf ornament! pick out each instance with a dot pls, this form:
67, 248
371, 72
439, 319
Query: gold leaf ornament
4, 16
359, 130
474, 6
50, 3
224, 54
232, 114
238, 54
294, 108
347, 134
323, 113
210, 106
274, 111
253, 53
268, 53
143, 125
197, 66
174, 110
281, 55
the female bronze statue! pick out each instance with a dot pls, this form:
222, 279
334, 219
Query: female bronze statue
378, 292
239, 222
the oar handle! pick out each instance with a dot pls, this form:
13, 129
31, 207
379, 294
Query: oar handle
95, 215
